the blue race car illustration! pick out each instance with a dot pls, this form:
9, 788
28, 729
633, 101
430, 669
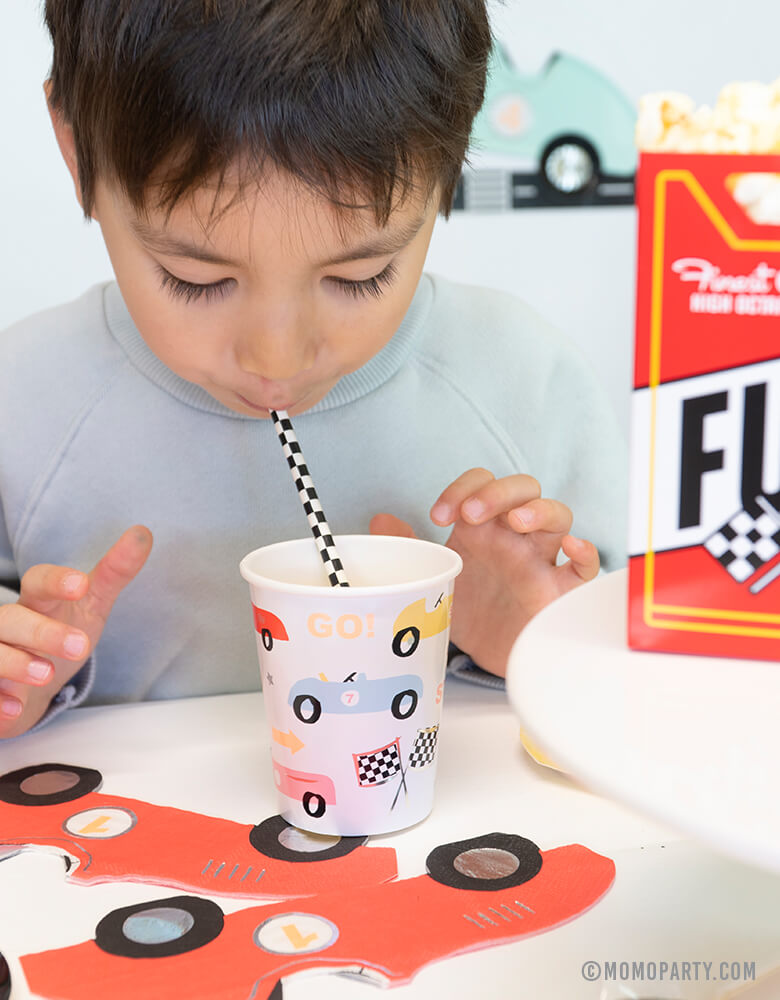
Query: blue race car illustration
312, 696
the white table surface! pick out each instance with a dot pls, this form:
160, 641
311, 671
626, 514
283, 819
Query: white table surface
690, 740
672, 900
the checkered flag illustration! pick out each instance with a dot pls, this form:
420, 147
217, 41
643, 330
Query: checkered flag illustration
311, 502
378, 766
747, 542
424, 749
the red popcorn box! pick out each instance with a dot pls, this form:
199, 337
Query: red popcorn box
704, 536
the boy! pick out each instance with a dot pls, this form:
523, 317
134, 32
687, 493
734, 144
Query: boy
266, 175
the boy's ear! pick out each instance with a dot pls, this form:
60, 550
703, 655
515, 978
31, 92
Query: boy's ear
64, 134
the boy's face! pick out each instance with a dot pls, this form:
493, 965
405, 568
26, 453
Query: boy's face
271, 304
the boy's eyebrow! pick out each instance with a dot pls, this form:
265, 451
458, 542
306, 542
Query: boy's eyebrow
172, 246
378, 246
381, 245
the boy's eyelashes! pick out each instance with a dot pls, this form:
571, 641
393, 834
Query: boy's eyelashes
368, 286
191, 290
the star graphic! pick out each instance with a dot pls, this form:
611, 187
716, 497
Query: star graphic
269, 678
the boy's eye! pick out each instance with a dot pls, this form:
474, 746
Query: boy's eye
368, 286
190, 290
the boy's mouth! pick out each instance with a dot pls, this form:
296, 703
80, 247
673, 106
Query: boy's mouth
265, 407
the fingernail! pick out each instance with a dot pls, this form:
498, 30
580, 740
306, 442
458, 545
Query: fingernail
75, 645
473, 509
10, 707
71, 582
523, 518
441, 512
38, 670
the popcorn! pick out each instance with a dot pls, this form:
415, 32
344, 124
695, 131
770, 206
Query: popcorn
745, 119
658, 114
759, 195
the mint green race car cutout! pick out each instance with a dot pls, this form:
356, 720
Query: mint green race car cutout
561, 137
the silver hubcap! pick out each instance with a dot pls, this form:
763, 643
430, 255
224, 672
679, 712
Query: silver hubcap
486, 862
569, 167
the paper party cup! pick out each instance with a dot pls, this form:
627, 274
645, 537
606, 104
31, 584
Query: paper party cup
353, 678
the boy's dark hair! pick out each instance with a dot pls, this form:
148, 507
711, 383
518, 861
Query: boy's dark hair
358, 96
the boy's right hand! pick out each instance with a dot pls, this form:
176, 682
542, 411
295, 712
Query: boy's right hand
48, 635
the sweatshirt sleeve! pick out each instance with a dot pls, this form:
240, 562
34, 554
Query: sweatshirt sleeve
78, 687
23, 453
70, 695
581, 457
539, 397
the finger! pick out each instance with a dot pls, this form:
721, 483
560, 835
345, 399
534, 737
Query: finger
498, 496
541, 515
11, 707
44, 585
44, 637
118, 567
389, 524
447, 507
23, 667
583, 557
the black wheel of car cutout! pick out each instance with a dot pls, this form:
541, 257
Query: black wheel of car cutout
265, 838
491, 862
313, 804
275, 994
397, 705
307, 708
160, 928
569, 167
409, 635
5, 980
267, 639
48, 784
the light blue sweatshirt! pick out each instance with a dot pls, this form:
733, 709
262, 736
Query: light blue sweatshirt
96, 434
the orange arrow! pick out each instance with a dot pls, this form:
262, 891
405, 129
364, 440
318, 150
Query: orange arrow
288, 739
296, 939
96, 825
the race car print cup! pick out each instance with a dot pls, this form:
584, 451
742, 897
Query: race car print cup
353, 678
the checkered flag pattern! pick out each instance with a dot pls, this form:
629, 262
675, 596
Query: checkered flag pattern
311, 502
424, 749
747, 541
378, 766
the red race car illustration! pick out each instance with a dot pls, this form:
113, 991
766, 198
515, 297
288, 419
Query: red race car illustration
105, 838
269, 627
315, 791
480, 892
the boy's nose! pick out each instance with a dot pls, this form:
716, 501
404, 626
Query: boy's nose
277, 351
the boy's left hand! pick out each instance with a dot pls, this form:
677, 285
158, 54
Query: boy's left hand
509, 537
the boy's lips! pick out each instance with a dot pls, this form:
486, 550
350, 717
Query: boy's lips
267, 406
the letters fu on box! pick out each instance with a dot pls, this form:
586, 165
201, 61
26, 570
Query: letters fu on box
704, 545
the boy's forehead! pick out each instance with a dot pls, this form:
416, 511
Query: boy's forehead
223, 224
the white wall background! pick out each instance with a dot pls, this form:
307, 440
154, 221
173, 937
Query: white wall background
576, 266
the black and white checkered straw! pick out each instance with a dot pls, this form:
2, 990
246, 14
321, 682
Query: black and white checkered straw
311, 502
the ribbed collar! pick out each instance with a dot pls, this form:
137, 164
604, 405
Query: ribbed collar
358, 383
